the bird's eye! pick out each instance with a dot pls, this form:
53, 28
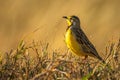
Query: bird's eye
71, 20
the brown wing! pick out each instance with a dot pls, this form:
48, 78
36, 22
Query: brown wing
86, 45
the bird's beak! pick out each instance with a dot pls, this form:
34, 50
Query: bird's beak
65, 17
68, 20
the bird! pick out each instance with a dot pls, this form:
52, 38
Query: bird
77, 41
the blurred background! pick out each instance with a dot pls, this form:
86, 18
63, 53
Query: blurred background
41, 20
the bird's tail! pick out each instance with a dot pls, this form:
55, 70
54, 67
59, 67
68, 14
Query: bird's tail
103, 61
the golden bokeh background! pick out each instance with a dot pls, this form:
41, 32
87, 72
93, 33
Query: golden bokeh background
100, 19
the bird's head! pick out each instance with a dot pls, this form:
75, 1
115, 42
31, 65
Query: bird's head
72, 20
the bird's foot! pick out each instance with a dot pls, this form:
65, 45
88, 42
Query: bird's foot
85, 60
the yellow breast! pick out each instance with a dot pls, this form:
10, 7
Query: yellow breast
72, 44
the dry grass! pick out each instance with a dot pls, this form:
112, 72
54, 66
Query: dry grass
20, 65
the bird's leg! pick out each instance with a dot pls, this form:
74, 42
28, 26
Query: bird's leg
85, 59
